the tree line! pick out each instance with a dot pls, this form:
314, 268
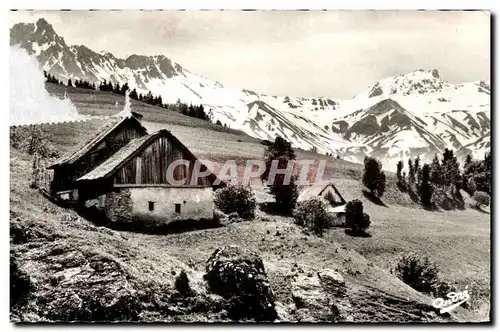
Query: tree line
445, 174
51, 78
442, 177
196, 111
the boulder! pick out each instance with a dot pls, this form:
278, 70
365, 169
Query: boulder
239, 277
320, 296
334, 285
310, 299
116, 302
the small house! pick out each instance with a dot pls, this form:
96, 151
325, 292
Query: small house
327, 191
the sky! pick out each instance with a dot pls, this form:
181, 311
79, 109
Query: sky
297, 53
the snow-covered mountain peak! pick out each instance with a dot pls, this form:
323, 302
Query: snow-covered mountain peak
36, 37
44, 28
407, 114
417, 82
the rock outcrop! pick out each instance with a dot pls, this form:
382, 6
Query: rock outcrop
239, 276
321, 296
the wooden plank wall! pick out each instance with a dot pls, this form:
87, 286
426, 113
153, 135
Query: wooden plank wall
65, 176
150, 166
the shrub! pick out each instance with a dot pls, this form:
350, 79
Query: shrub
20, 284
481, 198
355, 218
373, 177
442, 289
182, 284
239, 199
313, 214
418, 271
365, 222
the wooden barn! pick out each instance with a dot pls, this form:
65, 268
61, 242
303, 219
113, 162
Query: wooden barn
123, 172
133, 185
115, 134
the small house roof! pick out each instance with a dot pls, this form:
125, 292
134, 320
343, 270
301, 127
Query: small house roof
119, 158
311, 191
84, 147
316, 190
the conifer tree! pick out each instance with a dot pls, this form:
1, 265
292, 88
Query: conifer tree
399, 170
373, 176
124, 89
468, 160
417, 169
133, 94
425, 188
436, 172
285, 194
411, 172
117, 88
451, 170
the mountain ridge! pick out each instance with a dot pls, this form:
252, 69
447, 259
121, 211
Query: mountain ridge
430, 113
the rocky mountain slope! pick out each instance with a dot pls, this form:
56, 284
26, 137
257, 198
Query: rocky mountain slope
415, 113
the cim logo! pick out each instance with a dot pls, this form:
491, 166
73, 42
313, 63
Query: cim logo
453, 300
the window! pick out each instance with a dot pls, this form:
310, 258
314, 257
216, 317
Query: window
151, 206
177, 208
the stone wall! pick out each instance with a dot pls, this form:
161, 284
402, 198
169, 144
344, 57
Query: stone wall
154, 206
118, 206
193, 204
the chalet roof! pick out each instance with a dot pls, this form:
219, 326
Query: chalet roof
93, 141
312, 190
315, 190
133, 148
118, 158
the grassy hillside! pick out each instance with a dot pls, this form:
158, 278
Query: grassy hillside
70, 261
459, 241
